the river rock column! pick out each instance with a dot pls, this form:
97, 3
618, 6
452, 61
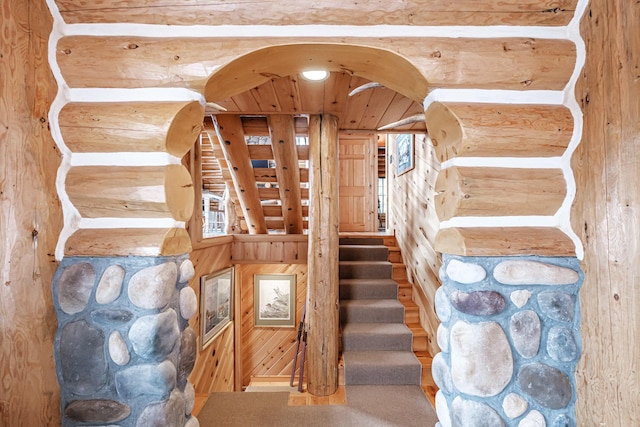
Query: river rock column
509, 340
123, 348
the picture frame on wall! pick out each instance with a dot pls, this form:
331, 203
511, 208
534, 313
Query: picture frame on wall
216, 304
404, 153
275, 300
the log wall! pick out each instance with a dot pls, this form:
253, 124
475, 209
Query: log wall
605, 212
30, 218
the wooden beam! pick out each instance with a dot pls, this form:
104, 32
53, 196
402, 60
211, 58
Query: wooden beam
332, 12
480, 191
276, 210
216, 146
519, 63
264, 152
131, 191
128, 242
498, 130
258, 126
322, 311
269, 174
236, 153
274, 193
106, 127
504, 241
283, 143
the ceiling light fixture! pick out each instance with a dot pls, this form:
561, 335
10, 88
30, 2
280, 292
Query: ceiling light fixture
315, 75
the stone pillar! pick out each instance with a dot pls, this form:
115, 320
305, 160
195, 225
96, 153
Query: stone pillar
509, 340
124, 349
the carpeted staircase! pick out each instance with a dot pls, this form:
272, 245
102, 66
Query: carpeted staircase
376, 344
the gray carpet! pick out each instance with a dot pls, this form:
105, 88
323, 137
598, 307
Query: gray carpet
368, 406
377, 346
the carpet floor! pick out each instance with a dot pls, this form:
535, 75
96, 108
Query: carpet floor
367, 405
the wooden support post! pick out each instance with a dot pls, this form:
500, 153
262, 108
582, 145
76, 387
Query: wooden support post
283, 143
322, 312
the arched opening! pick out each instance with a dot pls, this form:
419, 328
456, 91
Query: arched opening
367, 89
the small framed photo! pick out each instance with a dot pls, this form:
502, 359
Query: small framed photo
275, 300
216, 304
404, 153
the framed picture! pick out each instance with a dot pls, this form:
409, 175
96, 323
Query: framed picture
216, 304
275, 300
404, 153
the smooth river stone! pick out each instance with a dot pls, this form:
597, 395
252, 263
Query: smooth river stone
442, 410
442, 337
478, 303
187, 271
563, 421
464, 272
548, 386
153, 380
441, 373
167, 413
75, 286
443, 307
155, 336
189, 398
514, 405
187, 355
188, 303
118, 350
469, 413
561, 344
533, 273
96, 411
153, 287
557, 305
83, 363
524, 327
533, 419
520, 298
111, 316
481, 359
110, 284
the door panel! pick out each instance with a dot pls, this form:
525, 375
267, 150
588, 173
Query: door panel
357, 182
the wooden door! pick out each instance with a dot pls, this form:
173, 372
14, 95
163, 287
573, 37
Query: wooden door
358, 182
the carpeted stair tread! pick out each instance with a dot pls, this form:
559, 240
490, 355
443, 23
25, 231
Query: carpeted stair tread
365, 269
376, 336
372, 311
381, 367
368, 289
361, 241
363, 253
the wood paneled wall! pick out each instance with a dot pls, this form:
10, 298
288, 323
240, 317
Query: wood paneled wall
214, 368
30, 218
264, 351
607, 215
412, 217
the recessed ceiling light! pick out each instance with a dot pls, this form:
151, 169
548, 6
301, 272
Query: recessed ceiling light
315, 75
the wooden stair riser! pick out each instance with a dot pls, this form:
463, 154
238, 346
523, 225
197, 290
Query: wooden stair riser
399, 272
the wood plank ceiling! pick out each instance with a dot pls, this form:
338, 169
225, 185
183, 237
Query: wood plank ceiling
269, 184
